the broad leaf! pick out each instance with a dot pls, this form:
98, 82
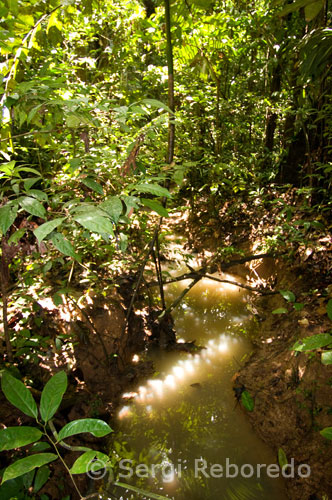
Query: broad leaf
326, 358
313, 9
37, 193
282, 458
32, 206
18, 395
152, 189
287, 295
327, 432
95, 223
41, 446
52, 395
41, 477
155, 206
314, 342
280, 310
86, 462
247, 401
90, 183
14, 437
297, 5
45, 229
28, 183
94, 426
63, 245
7, 217
156, 104
27, 464
113, 207
329, 309
15, 237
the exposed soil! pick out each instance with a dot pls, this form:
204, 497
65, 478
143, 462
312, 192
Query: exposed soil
292, 391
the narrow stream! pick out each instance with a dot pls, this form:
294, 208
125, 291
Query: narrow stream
185, 424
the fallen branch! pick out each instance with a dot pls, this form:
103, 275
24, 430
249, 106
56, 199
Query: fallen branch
178, 300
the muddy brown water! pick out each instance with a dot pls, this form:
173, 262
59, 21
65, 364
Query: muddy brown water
184, 436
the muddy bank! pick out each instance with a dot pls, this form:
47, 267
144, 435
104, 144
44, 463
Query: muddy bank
292, 391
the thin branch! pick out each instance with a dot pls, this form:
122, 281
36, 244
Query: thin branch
181, 296
240, 285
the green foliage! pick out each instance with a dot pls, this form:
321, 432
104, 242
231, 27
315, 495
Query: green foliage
327, 358
329, 309
282, 458
314, 342
19, 396
327, 432
52, 395
97, 428
280, 310
27, 464
14, 437
287, 295
247, 401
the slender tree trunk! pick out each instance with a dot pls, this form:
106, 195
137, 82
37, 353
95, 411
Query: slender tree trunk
169, 54
4, 290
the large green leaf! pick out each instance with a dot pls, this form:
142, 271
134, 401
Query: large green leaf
45, 229
95, 223
152, 189
313, 342
113, 207
27, 464
32, 206
7, 217
155, 206
52, 395
329, 309
297, 5
94, 426
41, 477
156, 104
326, 358
247, 401
19, 396
92, 184
280, 310
86, 463
15, 237
63, 245
37, 193
282, 458
287, 295
327, 432
313, 9
14, 437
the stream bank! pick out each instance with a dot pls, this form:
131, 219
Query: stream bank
292, 391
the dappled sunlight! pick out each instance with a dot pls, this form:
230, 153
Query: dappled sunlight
184, 373
188, 410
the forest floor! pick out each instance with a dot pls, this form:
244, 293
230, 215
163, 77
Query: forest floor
292, 393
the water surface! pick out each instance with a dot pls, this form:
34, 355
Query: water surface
185, 427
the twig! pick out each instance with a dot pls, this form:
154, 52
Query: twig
178, 300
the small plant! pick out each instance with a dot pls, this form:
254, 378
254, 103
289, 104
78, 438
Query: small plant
45, 436
290, 297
